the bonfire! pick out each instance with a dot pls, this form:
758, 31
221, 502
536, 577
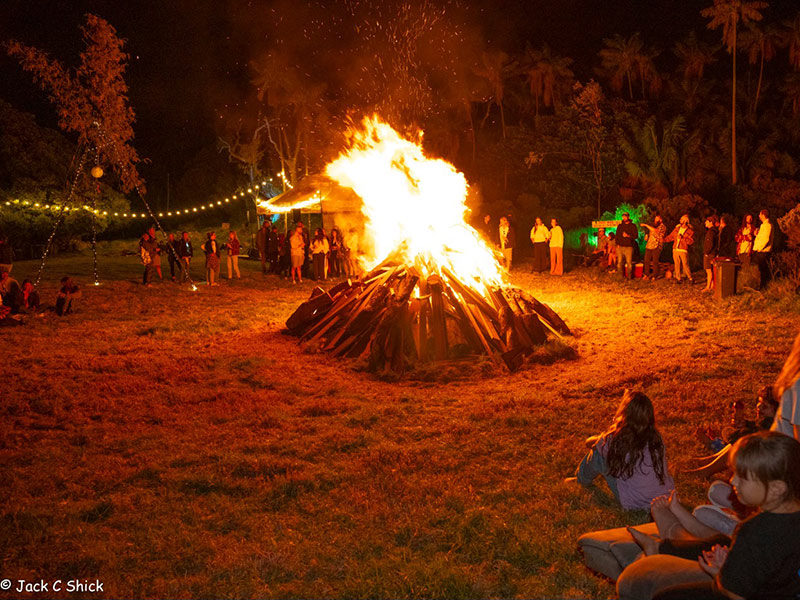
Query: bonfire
433, 289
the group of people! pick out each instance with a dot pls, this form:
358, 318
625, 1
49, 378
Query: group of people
17, 300
617, 251
296, 254
545, 241
179, 252
747, 540
750, 244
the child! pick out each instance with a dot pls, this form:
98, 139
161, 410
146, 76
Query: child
630, 455
764, 553
69, 292
766, 405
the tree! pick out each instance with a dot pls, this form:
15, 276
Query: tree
728, 14
548, 75
653, 153
494, 67
91, 99
694, 57
619, 58
791, 38
760, 44
294, 106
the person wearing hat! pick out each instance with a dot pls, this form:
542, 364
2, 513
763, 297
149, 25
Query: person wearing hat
627, 232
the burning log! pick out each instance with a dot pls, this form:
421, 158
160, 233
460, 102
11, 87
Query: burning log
395, 318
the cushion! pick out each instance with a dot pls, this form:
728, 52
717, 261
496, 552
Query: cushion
611, 550
642, 579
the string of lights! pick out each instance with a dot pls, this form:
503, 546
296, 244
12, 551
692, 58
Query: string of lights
62, 209
240, 193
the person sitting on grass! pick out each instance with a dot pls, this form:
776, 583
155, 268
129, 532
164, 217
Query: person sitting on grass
30, 297
740, 426
761, 559
10, 292
67, 294
630, 455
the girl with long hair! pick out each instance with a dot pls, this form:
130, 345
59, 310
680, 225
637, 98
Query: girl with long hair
319, 250
744, 240
297, 253
629, 455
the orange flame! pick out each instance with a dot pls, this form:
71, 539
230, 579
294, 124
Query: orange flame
413, 205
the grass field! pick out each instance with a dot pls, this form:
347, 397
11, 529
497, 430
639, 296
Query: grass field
175, 444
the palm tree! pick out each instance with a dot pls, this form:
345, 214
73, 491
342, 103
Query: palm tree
727, 14
791, 88
653, 152
548, 76
791, 38
760, 44
494, 66
619, 60
648, 75
694, 56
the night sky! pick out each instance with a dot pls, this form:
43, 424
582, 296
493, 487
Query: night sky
189, 58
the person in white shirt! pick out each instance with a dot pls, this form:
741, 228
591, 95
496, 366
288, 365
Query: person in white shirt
507, 239
556, 248
539, 236
762, 249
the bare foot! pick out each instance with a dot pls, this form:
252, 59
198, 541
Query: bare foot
648, 544
662, 515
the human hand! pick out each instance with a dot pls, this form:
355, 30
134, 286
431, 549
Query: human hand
659, 502
711, 561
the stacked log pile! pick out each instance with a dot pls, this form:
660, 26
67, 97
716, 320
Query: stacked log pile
382, 319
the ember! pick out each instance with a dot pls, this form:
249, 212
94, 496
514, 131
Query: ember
434, 289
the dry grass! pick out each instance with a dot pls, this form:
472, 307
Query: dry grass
175, 444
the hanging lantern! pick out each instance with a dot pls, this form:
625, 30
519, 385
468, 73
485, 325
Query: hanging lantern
97, 172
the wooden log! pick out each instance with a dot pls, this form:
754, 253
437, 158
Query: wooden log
547, 314
308, 312
438, 323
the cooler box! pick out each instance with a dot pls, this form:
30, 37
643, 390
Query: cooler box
638, 270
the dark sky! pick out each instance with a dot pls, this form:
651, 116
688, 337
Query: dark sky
189, 58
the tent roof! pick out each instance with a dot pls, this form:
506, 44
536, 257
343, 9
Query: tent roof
334, 197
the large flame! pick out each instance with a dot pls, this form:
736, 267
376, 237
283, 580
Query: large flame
414, 206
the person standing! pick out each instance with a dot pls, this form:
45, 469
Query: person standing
744, 240
627, 232
232, 249
681, 237
336, 253
149, 254
185, 253
556, 238
211, 248
652, 250
173, 256
319, 249
726, 247
539, 235
710, 248
273, 249
508, 239
297, 245
762, 248
262, 243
